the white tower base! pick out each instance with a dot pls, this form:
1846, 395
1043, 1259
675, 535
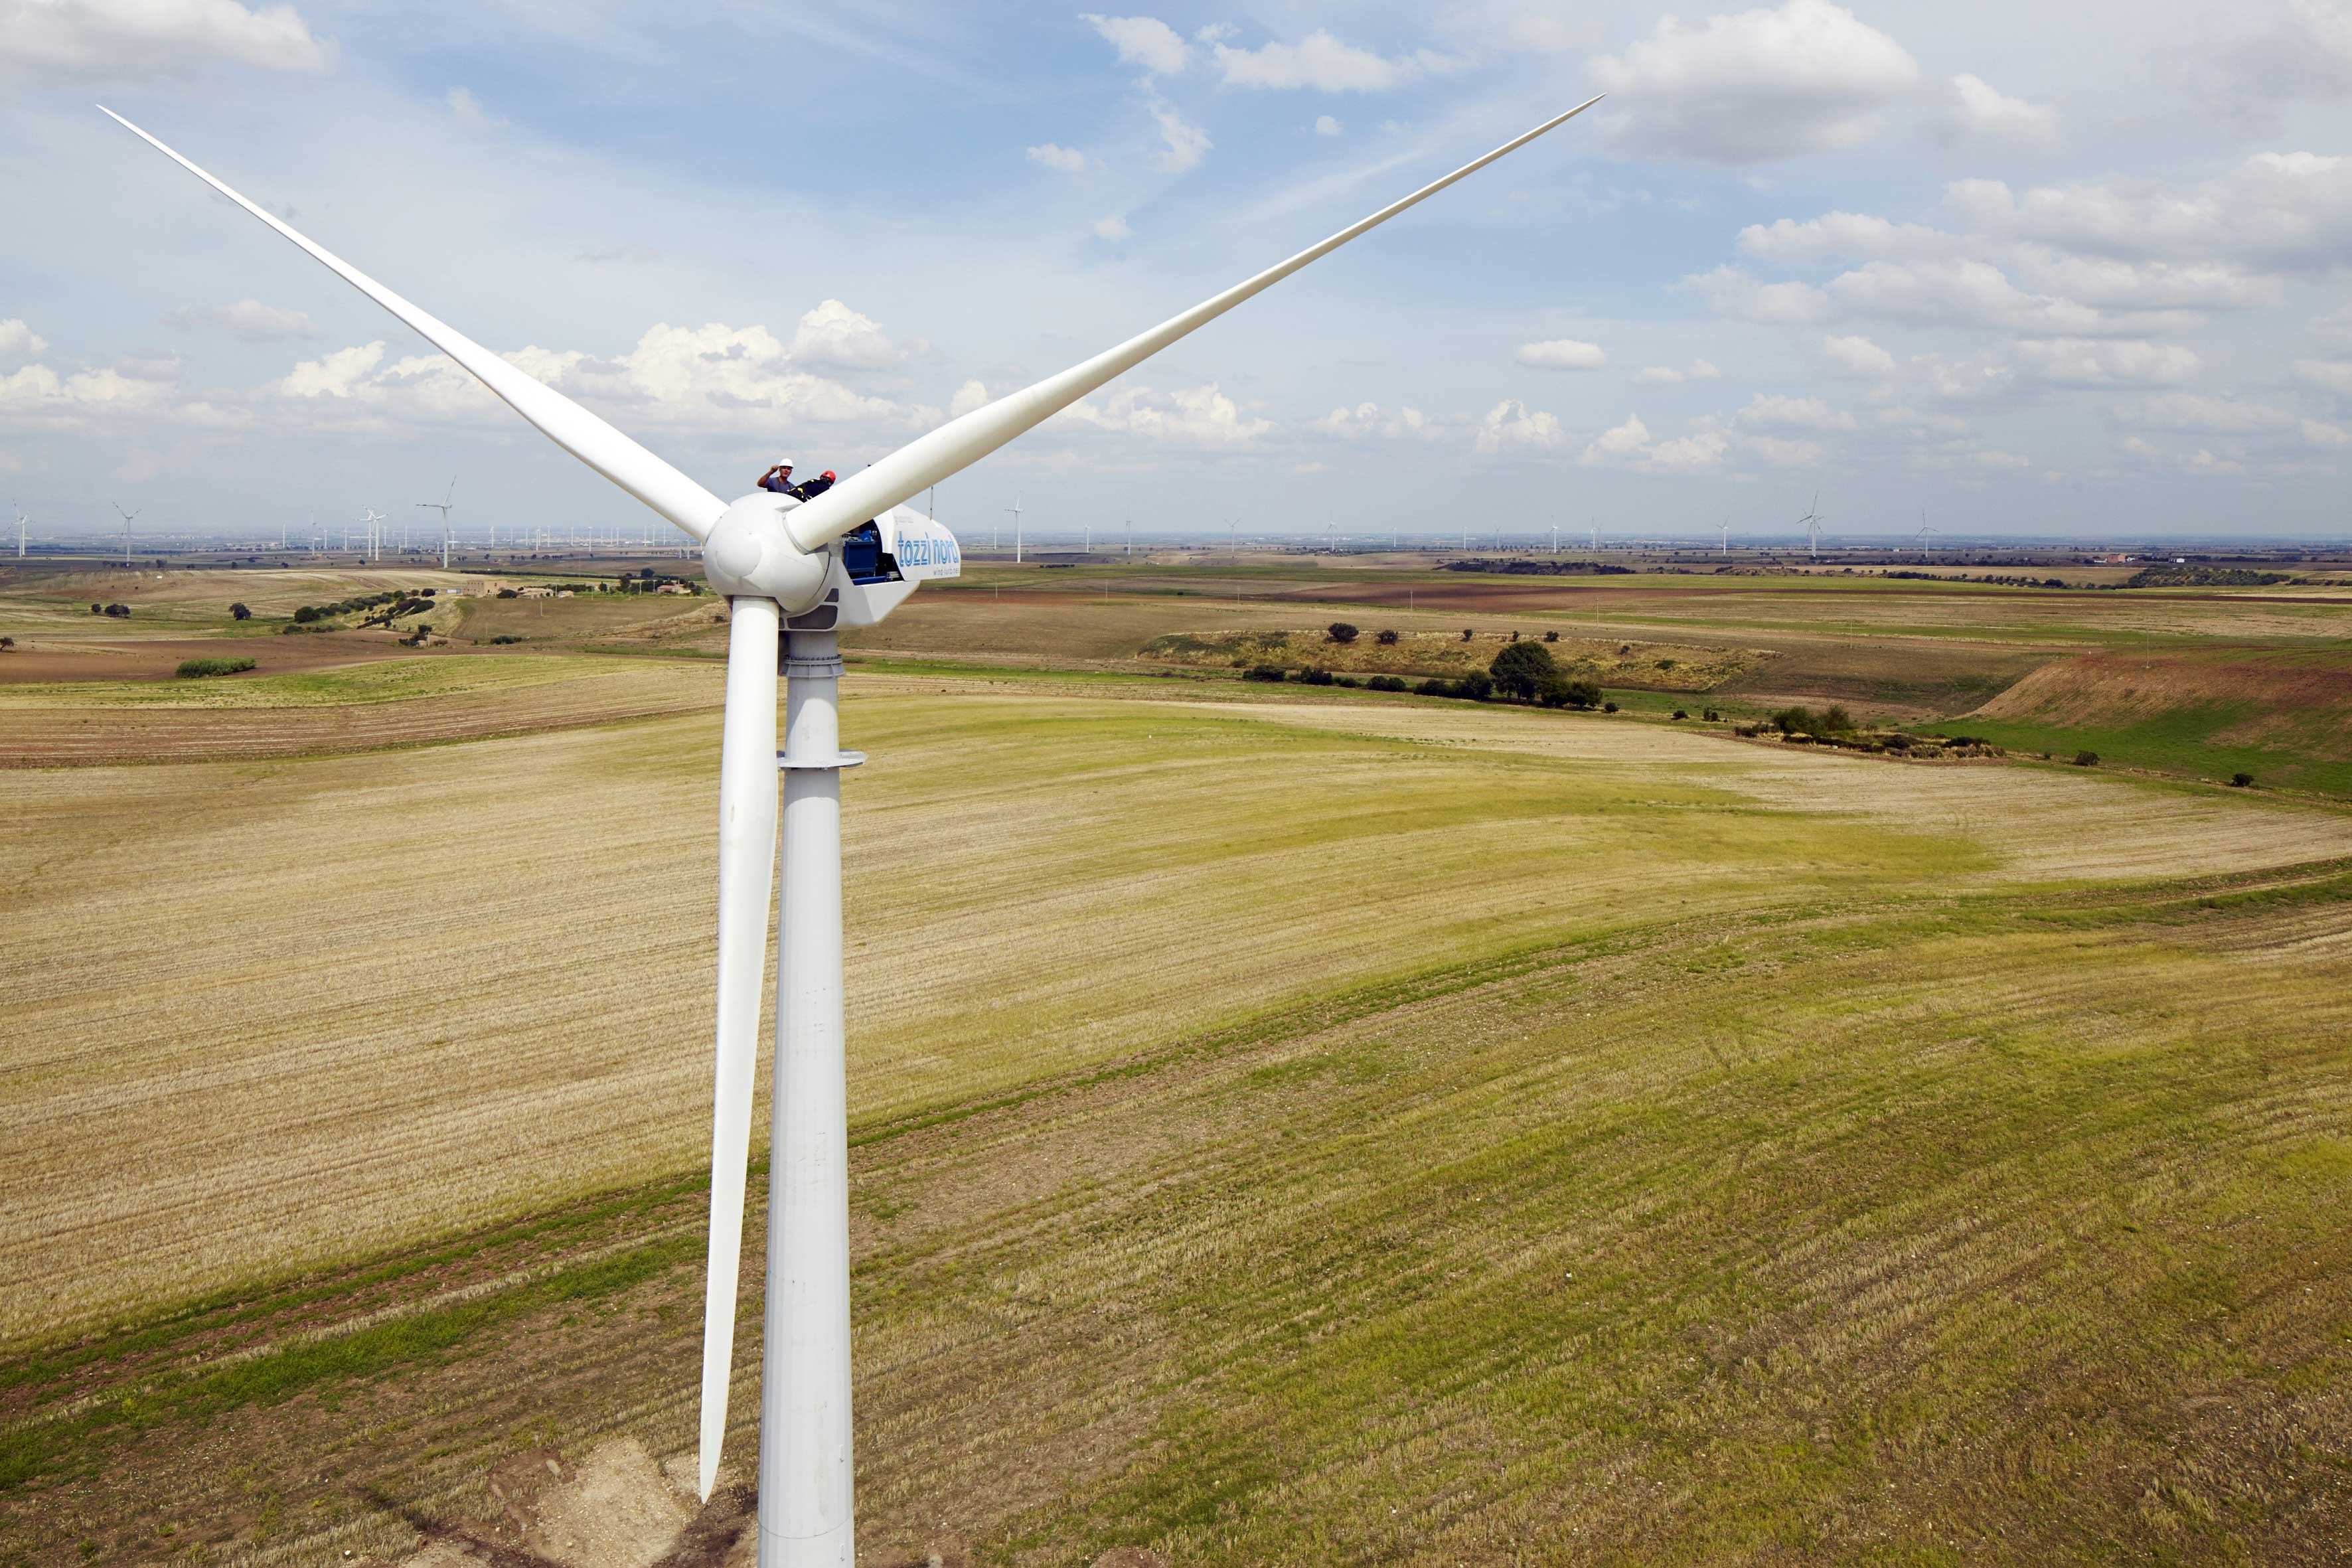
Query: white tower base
806, 1516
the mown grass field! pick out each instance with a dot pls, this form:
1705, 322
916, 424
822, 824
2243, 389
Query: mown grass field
1288, 1125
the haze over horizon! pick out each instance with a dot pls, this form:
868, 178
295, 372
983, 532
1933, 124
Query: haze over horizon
2041, 274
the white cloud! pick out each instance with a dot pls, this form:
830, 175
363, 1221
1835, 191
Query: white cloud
1760, 85
1063, 160
1728, 292
339, 374
834, 334
1858, 356
37, 389
2326, 376
1785, 454
1857, 234
1562, 353
1185, 144
1626, 440
1775, 411
1144, 41
1976, 108
1365, 422
1965, 292
247, 318
1113, 228
1512, 427
1693, 453
468, 112
2288, 211
2100, 362
1323, 63
17, 339
134, 40
1201, 416
972, 394
1327, 126
1667, 375
2327, 435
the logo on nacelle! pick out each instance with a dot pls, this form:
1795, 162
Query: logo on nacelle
924, 549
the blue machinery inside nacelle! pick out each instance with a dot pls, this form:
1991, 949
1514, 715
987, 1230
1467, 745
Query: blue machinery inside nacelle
862, 557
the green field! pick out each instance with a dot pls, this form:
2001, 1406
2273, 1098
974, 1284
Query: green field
1289, 1124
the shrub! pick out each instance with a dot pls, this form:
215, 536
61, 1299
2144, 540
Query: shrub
1560, 692
508, 594
1315, 678
1263, 672
1468, 634
1836, 721
1709, 714
1609, 708
1551, 637
1666, 663
1477, 686
195, 668
6, 643
239, 612
2237, 780
1433, 687
504, 638
1796, 721
1341, 632
1384, 683
119, 611
98, 610
1520, 668
1386, 639
1347, 680
1680, 714
306, 615
2087, 759
1899, 741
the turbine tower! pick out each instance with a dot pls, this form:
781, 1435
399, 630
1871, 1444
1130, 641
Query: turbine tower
1727, 536
1924, 531
443, 507
1016, 510
796, 572
127, 516
373, 538
20, 529
1812, 521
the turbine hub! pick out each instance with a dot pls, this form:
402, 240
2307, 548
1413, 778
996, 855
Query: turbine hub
749, 554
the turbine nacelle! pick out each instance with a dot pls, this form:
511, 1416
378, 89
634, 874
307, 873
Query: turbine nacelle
852, 581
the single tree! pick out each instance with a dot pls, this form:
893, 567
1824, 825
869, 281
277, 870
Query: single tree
2087, 759
1560, 692
6, 643
239, 612
1468, 634
1341, 632
1386, 638
1520, 667
2237, 780
98, 610
1477, 686
1551, 637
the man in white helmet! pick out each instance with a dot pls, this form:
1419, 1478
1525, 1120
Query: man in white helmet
779, 479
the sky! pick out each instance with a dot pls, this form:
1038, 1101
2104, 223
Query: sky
2003, 269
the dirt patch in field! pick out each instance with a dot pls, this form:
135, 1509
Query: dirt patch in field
48, 660
2258, 695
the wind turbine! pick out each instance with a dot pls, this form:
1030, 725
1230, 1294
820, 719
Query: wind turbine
443, 507
1924, 531
1596, 538
1016, 510
1812, 521
127, 516
372, 519
1727, 536
847, 557
21, 521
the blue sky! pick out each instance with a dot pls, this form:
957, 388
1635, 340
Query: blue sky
2050, 271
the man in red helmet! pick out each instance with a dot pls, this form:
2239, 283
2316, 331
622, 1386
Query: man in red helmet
809, 489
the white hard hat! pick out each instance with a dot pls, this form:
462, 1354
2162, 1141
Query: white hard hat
786, 463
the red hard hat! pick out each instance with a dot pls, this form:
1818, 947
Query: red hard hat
828, 473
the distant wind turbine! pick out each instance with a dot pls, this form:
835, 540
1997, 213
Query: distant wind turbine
20, 529
1727, 536
1924, 531
1812, 521
443, 507
1016, 510
372, 541
127, 516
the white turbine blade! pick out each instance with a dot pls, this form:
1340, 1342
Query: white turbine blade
561, 420
746, 869
961, 442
